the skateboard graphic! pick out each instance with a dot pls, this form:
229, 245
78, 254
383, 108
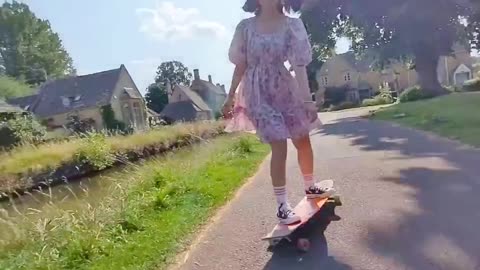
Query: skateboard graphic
306, 209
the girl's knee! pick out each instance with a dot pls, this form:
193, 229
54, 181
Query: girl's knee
302, 143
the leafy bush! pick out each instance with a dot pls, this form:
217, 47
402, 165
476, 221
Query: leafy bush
343, 106
95, 151
413, 94
78, 126
21, 129
384, 97
335, 95
111, 123
471, 85
11, 88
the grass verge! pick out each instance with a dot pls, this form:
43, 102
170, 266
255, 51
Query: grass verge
149, 217
20, 165
456, 116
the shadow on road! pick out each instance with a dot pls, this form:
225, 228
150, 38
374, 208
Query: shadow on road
443, 234
286, 256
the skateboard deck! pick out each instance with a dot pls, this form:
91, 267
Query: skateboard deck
306, 209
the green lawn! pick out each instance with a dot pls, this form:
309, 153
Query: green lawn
455, 116
152, 216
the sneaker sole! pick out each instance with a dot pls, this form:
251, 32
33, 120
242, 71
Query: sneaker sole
327, 194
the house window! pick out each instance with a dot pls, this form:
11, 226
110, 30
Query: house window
347, 77
325, 80
137, 112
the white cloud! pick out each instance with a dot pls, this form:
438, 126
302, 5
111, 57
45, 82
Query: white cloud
168, 22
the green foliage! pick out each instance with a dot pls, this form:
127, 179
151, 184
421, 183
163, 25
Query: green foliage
95, 151
21, 129
381, 27
156, 97
111, 123
471, 85
335, 95
343, 106
244, 145
142, 217
11, 88
173, 72
78, 126
29, 48
384, 97
413, 94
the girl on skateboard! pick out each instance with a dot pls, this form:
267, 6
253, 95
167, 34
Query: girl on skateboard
264, 96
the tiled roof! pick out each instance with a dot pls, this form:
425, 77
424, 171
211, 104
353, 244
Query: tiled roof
64, 95
180, 111
195, 98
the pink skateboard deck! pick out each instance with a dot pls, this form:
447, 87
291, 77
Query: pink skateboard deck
306, 209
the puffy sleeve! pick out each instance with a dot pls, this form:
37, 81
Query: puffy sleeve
299, 48
238, 47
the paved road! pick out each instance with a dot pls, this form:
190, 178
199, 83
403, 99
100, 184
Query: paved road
411, 201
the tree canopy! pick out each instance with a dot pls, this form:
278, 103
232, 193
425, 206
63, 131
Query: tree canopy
173, 72
420, 30
11, 88
29, 48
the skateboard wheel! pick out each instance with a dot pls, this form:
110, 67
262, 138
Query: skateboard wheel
273, 242
303, 244
337, 201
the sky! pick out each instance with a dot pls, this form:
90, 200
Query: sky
141, 34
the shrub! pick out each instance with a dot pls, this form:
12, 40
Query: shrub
21, 129
343, 106
471, 85
413, 94
111, 123
11, 88
78, 126
384, 97
335, 95
95, 151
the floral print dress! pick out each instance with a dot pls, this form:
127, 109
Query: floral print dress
268, 99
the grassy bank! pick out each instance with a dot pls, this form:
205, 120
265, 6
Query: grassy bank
455, 116
18, 166
151, 215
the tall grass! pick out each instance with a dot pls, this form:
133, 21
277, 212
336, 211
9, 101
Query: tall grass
30, 159
143, 220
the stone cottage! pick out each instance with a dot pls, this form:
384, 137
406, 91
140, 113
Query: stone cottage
85, 97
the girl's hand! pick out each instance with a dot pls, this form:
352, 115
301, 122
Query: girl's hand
312, 110
227, 107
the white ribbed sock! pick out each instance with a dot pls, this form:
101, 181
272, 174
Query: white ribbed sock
280, 194
308, 181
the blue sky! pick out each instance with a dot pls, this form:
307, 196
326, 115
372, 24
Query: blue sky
140, 34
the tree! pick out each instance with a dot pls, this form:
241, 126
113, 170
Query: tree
174, 72
11, 88
156, 97
401, 29
28, 46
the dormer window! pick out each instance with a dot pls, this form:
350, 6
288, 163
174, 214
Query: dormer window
347, 77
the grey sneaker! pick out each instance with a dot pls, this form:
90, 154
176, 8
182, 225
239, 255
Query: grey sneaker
318, 191
286, 215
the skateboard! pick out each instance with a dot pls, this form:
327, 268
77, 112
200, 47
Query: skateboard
306, 209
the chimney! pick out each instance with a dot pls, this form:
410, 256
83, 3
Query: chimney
223, 88
196, 74
210, 78
169, 89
